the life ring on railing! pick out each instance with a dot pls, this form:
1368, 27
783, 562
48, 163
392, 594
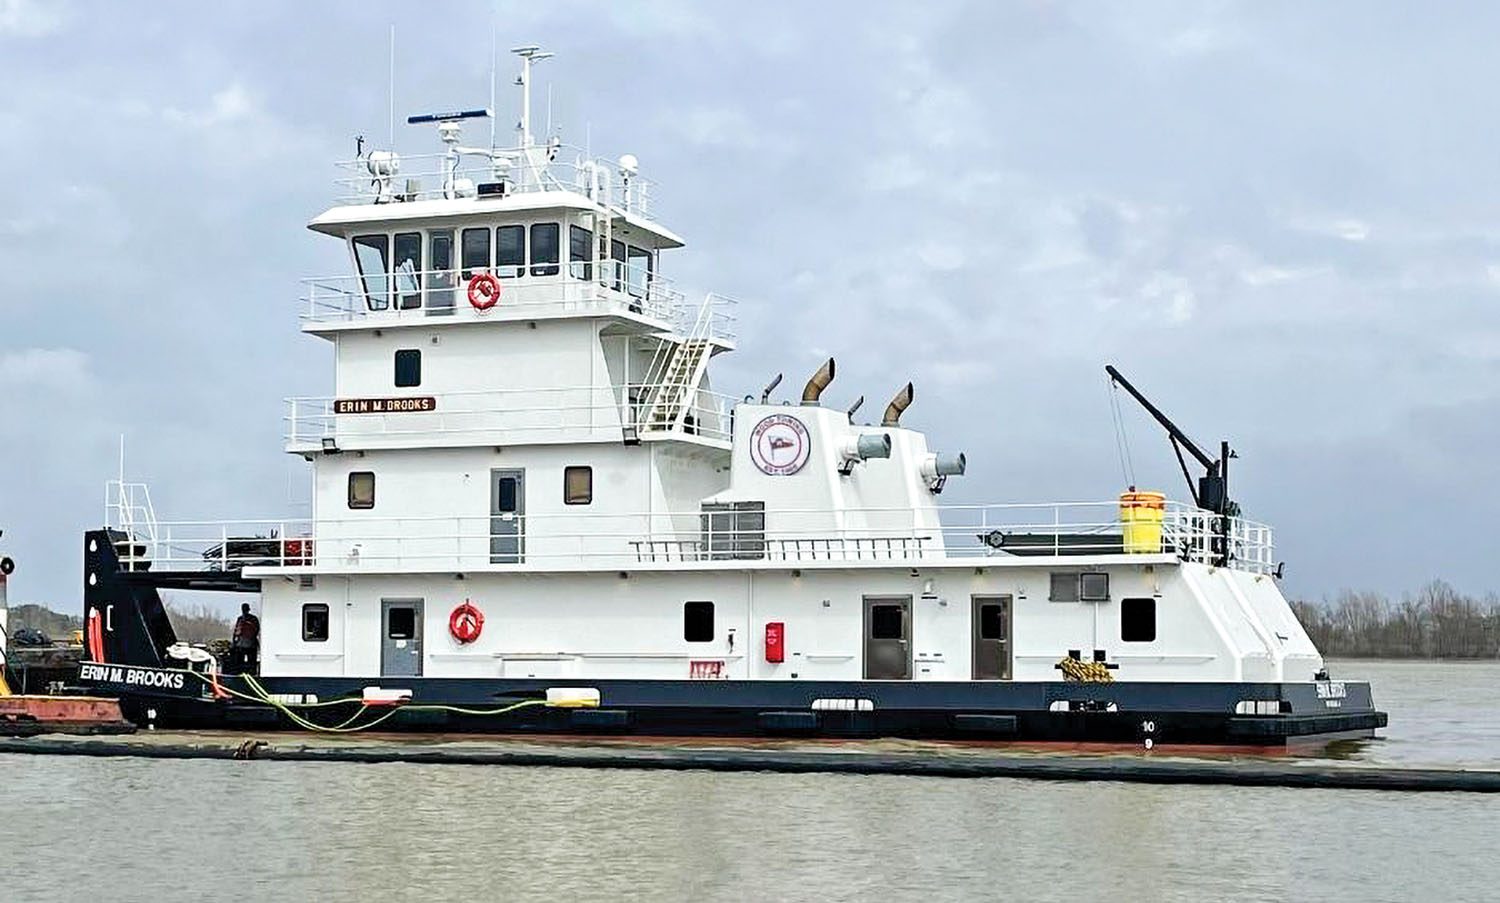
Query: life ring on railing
466, 623
484, 291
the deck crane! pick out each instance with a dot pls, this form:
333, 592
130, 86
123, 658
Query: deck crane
1211, 491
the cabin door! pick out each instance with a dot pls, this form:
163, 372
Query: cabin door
888, 637
507, 516
991, 627
401, 637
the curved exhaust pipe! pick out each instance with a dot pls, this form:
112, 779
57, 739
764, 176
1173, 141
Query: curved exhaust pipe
898, 406
765, 395
818, 383
858, 403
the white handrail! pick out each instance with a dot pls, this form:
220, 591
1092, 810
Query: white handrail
631, 540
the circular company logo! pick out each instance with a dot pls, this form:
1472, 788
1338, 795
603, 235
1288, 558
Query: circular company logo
779, 445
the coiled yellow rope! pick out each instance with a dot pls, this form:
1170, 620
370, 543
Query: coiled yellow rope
1085, 672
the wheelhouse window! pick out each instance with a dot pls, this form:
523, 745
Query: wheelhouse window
578, 485
407, 274
544, 249
314, 622
361, 489
580, 253
617, 256
372, 256
408, 368
440, 282
510, 251
1138, 620
698, 622
638, 266
475, 252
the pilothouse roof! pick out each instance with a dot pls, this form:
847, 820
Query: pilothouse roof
462, 181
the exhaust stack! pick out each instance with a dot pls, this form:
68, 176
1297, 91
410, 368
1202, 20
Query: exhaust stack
818, 383
898, 406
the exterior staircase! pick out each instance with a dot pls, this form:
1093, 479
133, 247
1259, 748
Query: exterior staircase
670, 404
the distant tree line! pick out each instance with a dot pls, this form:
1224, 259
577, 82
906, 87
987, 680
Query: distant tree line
193, 623
1436, 622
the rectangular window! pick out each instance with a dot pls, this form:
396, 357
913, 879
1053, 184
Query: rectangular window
510, 251
476, 252
408, 270
505, 491
578, 485
887, 622
991, 624
580, 253
402, 623
362, 489
698, 622
372, 256
440, 285
408, 368
544, 249
617, 255
314, 622
1093, 587
1064, 588
637, 270
1138, 620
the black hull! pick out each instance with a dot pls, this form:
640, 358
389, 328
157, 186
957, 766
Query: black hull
1130, 713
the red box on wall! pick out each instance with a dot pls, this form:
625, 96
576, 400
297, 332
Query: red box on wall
775, 642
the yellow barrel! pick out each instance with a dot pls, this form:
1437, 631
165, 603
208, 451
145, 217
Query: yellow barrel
1140, 518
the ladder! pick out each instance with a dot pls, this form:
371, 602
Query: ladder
674, 377
671, 399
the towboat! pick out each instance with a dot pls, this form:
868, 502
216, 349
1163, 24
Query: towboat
532, 511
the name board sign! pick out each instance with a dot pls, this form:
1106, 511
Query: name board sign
384, 405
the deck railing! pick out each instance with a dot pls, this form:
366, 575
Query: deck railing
506, 417
1056, 534
442, 296
561, 167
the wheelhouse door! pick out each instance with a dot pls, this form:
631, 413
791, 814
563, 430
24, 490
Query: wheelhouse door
888, 637
507, 516
991, 627
401, 637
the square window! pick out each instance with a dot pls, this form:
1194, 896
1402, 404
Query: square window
887, 622
698, 622
1064, 588
578, 485
1138, 620
1093, 587
362, 489
314, 622
408, 368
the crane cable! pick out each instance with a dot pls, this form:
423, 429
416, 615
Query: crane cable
1122, 439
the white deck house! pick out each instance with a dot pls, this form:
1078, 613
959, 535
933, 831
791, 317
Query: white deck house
561, 459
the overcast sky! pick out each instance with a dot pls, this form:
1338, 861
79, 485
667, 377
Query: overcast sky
1279, 219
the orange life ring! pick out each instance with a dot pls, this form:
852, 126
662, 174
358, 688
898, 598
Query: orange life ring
466, 623
484, 291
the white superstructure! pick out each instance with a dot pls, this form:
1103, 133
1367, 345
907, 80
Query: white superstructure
559, 458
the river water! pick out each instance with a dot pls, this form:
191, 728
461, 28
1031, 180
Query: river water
148, 830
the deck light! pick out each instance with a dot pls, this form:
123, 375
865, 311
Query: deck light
330, 445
